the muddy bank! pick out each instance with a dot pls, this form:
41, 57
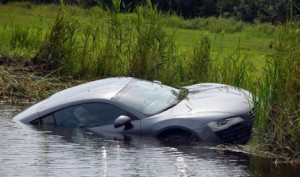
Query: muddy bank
24, 82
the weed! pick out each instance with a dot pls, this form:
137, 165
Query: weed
280, 96
58, 46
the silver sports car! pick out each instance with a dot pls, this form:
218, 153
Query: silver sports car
206, 112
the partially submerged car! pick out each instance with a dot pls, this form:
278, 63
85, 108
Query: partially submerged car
206, 112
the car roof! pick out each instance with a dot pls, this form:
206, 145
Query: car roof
99, 89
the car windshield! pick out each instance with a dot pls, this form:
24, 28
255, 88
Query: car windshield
148, 97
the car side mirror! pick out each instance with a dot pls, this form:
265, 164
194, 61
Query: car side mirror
123, 121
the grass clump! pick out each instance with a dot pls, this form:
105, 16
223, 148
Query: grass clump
117, 44
113, 42
279, 94
58, 47
200, 63
153, 49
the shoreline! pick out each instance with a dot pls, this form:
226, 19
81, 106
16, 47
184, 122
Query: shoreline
25, 84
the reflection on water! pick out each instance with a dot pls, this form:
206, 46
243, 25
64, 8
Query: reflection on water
28, 151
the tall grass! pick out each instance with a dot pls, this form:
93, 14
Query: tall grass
200, 62
58, 48
135, 45
154, 50
279, 94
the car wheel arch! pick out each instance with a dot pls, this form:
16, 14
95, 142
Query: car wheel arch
165, 133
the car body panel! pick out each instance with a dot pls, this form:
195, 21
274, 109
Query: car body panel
207, 110
100, 89
103, 89
211, 97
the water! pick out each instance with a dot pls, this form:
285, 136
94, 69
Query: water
27, 151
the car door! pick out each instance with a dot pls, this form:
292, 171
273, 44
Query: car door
97, 117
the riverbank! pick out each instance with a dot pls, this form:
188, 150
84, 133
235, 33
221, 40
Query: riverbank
21, 82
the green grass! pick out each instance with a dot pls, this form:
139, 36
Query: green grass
279, 92
249, 41
258, 48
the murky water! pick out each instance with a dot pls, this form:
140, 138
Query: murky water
26, 151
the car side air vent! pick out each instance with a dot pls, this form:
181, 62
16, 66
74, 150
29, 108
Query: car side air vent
239, 133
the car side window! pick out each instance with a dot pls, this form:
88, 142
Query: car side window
48, 119
65, 117
88, 115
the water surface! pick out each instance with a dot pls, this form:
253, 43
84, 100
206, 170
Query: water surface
56, 152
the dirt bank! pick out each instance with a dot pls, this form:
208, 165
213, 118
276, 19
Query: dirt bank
23, 82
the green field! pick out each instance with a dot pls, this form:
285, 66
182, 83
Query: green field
251, 41
67, 41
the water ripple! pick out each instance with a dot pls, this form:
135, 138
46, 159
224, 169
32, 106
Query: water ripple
27, 151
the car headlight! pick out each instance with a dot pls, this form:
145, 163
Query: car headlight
224, 123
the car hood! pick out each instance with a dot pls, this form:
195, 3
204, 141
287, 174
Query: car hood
212, 98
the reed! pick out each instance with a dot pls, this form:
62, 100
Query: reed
58, 49
110, 44
200, 63
154, 49
279, 95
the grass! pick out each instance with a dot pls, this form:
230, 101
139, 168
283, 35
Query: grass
69, 41
279, 91
250, 41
